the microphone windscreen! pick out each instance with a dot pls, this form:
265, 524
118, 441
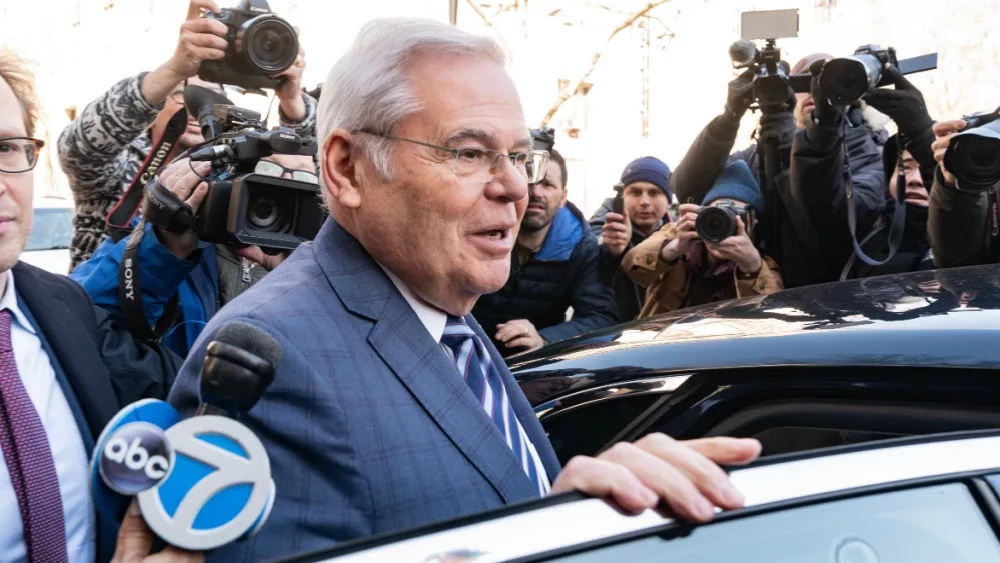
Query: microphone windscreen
252, 339
742, 52
197, 97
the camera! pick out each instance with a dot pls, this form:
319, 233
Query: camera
718, 222
544, 139
973, 155
848, 80
241, 207
260, 45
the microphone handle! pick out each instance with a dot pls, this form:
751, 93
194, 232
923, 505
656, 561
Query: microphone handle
207, 409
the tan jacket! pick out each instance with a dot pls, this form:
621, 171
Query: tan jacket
674, 286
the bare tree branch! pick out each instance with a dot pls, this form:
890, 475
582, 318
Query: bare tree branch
578, 85
486, 20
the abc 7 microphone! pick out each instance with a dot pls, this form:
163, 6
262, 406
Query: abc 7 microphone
204, 481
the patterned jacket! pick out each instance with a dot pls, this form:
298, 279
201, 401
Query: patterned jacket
103, 148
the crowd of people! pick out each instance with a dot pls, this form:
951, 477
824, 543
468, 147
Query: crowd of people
450, 245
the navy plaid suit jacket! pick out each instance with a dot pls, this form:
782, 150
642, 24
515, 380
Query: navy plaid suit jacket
368, 425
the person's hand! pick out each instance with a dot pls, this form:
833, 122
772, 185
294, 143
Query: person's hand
823, 111
257, 256
740, 95
135, 540
185, 182
200, 40
944, 131
616, 234
519, 333
685, 475
290, 91
739, 249
905, 105
687, 215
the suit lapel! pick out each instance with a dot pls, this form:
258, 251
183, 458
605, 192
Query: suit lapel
403, 343
522, 409
71, 342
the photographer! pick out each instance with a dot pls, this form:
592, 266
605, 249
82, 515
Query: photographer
813, 242
681, 270
963, 226
204, 276
646, 198
555, 265
102, 150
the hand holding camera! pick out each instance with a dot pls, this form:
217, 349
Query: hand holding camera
687, 233
738, 249
617, 233
184, 181
740, 96
905, 105
823, 111
200, 40
944, 131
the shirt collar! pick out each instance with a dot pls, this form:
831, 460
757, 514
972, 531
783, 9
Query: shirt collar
433, 319
9, 302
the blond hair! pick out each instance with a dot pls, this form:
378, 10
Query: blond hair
14, 71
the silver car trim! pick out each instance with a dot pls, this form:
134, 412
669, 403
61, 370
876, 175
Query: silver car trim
532, 532
574, 401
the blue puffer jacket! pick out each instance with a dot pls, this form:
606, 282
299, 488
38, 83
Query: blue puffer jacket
161, 274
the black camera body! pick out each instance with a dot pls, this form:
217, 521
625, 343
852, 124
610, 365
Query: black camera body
544, 139
241, 208
716, 223
260, 45
973, 155
771, 88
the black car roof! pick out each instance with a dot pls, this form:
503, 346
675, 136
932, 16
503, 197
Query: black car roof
935, 319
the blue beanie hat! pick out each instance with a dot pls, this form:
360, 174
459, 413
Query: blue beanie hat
737, 182
649, 169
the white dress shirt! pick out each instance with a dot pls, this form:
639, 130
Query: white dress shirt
434, 320
71, 462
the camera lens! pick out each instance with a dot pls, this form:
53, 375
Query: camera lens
974, 159
715, 224
849, 79
265, 213
270, 44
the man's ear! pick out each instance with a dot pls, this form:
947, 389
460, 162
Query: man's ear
339, 168
565, 195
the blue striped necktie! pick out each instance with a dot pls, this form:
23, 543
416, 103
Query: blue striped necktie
475, 365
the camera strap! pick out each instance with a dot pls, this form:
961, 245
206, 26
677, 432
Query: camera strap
124, 211
898, 222
130, 293
993, 220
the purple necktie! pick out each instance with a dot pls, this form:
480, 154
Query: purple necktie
29, 461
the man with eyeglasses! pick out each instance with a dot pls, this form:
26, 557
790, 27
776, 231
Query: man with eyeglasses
66, 368
102, 150
391, 408
555, 266
204, 276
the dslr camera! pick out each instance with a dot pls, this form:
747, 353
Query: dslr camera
973, 155
716, 223
241, 208
260, 45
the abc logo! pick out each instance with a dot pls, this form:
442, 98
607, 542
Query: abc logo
136, 457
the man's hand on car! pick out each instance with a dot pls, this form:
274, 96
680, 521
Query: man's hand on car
685, 475
519, 333
616, 233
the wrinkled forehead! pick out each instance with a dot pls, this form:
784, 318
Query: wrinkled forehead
11, 113
465, 99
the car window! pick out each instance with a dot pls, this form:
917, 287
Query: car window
52, 228
924, 525
583, 431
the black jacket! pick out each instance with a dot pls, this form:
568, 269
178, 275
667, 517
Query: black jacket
629, 295
105, 367
812, 238
564, 273
960, 228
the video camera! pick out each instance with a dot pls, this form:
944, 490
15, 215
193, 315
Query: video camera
260, 45
241, 207
973, 156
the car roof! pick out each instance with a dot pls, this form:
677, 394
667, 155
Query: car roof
934, 318
775, 482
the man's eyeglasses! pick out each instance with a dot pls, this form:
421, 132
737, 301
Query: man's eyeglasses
19, 154
481, 164
268, 168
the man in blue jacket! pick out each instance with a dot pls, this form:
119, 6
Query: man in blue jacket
555, 266
204, 276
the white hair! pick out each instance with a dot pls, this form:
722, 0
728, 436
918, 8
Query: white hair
367, 90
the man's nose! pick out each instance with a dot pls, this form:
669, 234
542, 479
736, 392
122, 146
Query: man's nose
508, 185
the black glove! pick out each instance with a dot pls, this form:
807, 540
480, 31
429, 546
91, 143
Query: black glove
740, 95
823, 111
905, 105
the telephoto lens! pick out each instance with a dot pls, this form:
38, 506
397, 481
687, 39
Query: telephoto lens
848, 80
270, 44
716, 224
973, 157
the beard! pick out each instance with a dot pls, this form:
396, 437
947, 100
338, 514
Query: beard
535, 224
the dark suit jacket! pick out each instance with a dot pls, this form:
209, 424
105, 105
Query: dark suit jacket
99, 366
369, 426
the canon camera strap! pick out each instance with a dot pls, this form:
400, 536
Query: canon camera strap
130, 293
124, 211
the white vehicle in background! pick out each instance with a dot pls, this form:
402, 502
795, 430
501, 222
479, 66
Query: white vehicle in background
51, 232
